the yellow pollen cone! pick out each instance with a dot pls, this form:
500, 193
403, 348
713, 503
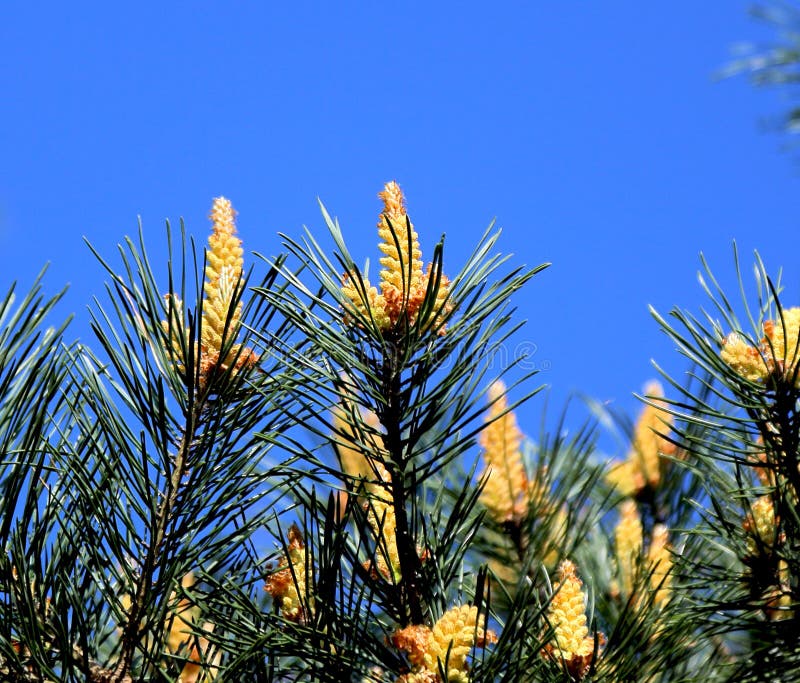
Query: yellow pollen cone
628, 537
660, 558
572, 645
505, 492
403, 284
289, 584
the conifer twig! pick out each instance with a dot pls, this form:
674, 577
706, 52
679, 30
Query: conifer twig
130, 633
390, 417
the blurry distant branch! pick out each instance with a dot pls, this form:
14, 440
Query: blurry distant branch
776, 63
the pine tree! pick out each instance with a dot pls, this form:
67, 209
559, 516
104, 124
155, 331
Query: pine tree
307, 476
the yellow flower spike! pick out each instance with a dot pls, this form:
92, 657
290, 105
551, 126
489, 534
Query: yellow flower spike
659, 557
374, 304
567, 615
403, 283
626, 477
746, 360
648, 443
777, 354
361, 453
200, 659
414, 640
224, 248
223, 280
645, 463
452, 639
628, 537
424, 676
382, 519
505, 493
359, 449
288, 585
401, 278
505, 571
762, 465
173, 328
179, 625
224, 261
442, 307
204, 661
761, 525
446, 646
781, 347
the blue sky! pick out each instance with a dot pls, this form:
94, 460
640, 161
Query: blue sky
594, 132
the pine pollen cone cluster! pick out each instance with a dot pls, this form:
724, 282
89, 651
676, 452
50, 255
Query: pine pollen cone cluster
646, 462
358, 444
659, 558
764, 540
644, 469
761, 525
403, 283
777, 354
289, 584
220, 319
630, 555
508, 494
629, 539
571, 645
360, 454
202, 664
506, 490
443, 648
383, 522
761, 465
201, 660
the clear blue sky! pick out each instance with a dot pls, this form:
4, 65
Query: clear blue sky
594, 132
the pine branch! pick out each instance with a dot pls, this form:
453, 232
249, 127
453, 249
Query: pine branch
131, 633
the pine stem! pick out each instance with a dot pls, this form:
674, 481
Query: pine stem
130, 634
786, 419
406, 548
